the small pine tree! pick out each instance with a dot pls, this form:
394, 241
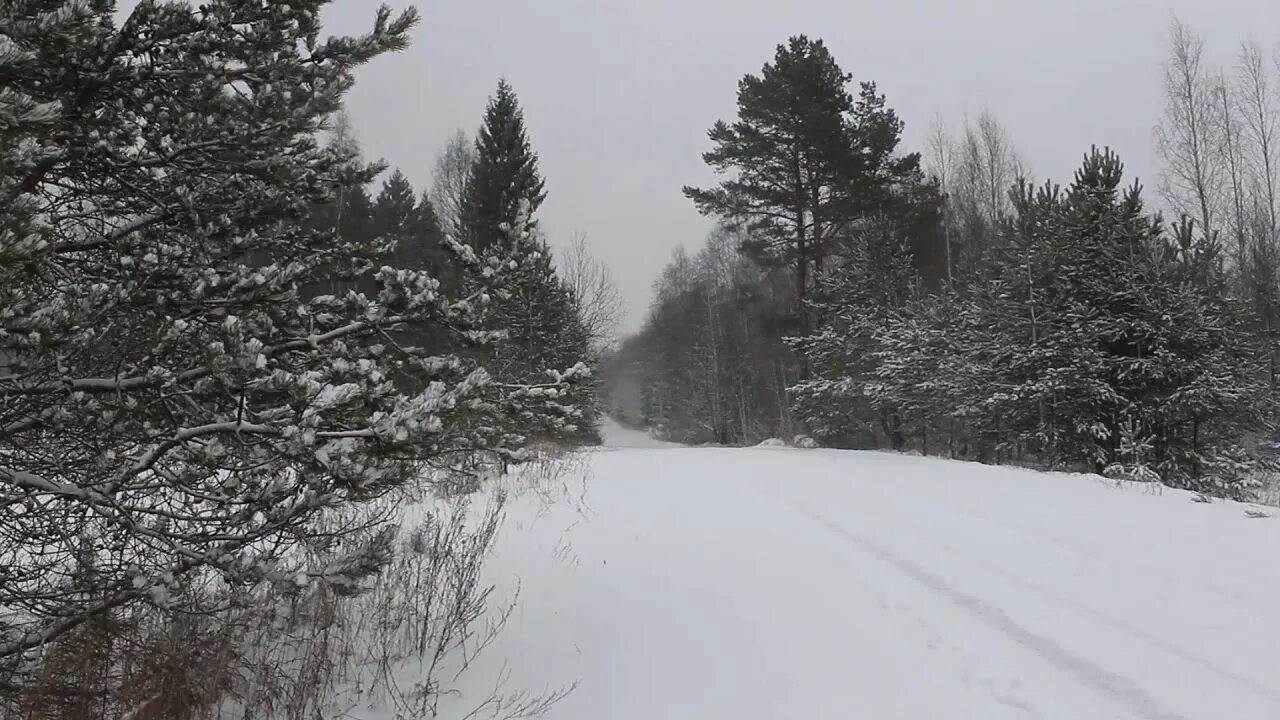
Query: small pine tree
836, 403
1107, 342
410, 225
393, 212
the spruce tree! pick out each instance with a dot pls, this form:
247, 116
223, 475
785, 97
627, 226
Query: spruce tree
409, 225
537, 312
393, 209
505, 173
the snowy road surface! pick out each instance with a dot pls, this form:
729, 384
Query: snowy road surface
779, 583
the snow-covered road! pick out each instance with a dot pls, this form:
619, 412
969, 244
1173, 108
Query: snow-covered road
779, 583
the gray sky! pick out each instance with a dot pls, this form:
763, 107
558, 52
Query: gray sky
618, 94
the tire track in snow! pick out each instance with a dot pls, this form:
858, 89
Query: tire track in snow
1098, 616
1075, 548
957, 517
1088, 673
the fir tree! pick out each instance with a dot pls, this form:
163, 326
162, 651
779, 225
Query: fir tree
537, 312
409, 224
504, 176
393, 212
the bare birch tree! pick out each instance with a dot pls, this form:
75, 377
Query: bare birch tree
1257, 98
449, 181
1189, 135
594, 289
981, 167
1255, 91
940, 163
1228, 106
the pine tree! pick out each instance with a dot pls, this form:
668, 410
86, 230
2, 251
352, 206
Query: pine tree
348, 213
1102, 341
172, 398
406, 225
917, 378
806, 160
1022, 353
505, 173
876, 276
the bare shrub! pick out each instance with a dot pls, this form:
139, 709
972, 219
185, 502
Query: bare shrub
403, 640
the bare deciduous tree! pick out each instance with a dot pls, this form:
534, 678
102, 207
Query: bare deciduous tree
449, 181
1255, 191
988, 165
976, 169
594, 289
342, 134
1189, 135
1233, 157
940, 162
1257, 98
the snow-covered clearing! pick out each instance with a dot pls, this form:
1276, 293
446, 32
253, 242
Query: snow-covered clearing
620, 437
782, 583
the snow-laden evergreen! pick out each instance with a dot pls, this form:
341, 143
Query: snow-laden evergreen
542, 320
1097, 339
171, 400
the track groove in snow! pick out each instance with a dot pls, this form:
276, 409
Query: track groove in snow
775, 583
1107, 683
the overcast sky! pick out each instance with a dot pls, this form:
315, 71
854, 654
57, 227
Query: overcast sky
618, 94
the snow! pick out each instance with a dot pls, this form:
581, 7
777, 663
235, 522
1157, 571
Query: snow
619, 436
790, 583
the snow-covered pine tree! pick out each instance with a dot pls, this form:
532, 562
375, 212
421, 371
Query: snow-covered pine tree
1020, 358
1214, 408
398, 215
171, 404
875, 271
875, 277
349, 213
1101, 340
919, 372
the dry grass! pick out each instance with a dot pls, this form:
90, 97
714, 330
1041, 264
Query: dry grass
255, 654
